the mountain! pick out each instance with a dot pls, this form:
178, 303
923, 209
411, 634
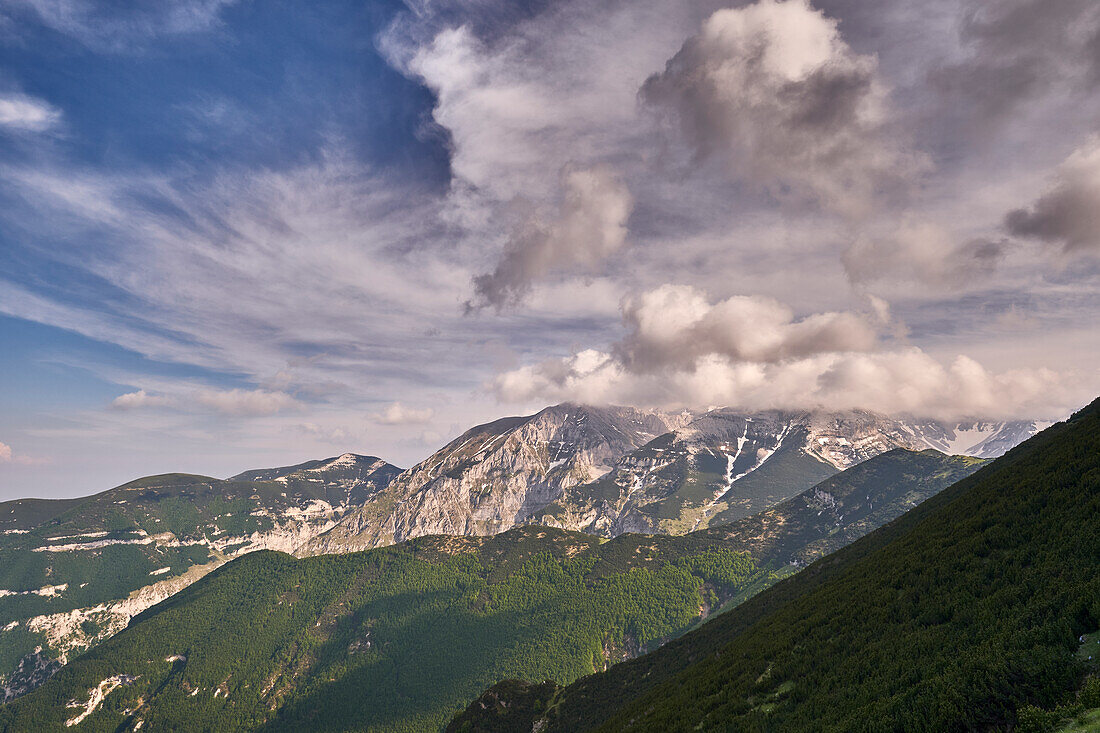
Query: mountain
75, 571
612, 470
401, 637
981, 439
494, 476
973, 611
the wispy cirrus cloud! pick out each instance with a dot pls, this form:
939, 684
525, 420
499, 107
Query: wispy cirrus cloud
23, 113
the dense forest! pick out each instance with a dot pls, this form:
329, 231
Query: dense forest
391, 639
977, 610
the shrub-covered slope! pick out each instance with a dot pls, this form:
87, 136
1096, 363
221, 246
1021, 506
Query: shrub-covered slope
954, 617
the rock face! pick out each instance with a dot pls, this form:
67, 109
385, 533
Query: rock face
74, 572
607, 471
495, 476
723, 466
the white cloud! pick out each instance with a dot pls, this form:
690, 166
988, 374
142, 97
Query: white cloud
773, 91
102, 26
233, 402
398, 414
9, 456
751, 353
676, 325
139, 400
20, 112
244, 402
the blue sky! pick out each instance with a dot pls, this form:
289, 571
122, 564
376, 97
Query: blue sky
235, 234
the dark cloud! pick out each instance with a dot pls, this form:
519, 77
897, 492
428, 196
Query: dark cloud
1069, 213
589, 226
923, 253
1017, 51
774, 92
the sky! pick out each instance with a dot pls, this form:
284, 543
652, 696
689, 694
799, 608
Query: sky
237, 234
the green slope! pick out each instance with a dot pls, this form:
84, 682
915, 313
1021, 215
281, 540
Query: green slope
400, 638
954, 617
153, 535
391, 639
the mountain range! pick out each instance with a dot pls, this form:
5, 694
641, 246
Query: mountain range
976, 610
76, 571
401, 637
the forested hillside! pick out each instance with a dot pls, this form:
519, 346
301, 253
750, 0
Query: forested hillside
391, 639
962, 615
401, 638
74, 571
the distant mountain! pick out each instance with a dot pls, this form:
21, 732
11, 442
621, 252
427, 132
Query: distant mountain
964, 614
75, 571
611, 470
402, 637
494, 476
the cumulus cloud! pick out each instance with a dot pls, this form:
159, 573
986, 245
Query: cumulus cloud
675, 326
774, 91
22, 113
923, 254
233, 402
905, 381
588, 227
398, 414
751, 353
5, 453
1068, 214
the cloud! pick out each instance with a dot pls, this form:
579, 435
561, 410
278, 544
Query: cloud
398, 414
233, 402
1016, 51
751, 353
588, 227
905, 381
1068, 214
922, 254
140, 400
9, 456
103, 26
23, 113
675, 326
248, 403
775, 92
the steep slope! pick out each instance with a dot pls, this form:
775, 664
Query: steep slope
978, 438
723, 466
400, 638
612, 470
74, 571
395, 638
951, 618
494, 476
